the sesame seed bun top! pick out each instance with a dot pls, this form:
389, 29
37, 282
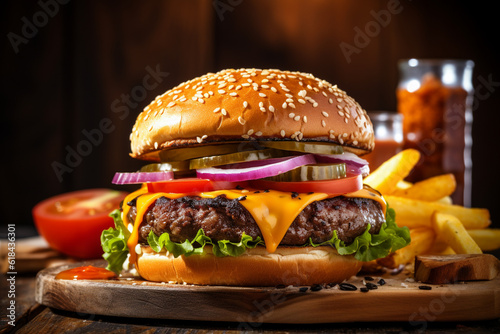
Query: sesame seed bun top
251, 104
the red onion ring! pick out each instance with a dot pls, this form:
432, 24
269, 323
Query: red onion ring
354, 164
141, 177
255, 169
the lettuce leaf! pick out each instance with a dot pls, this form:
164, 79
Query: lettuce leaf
365, 247
368, 247
114, 243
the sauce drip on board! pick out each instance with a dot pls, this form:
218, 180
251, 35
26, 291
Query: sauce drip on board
86, 272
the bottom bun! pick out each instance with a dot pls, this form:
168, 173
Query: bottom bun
256, 267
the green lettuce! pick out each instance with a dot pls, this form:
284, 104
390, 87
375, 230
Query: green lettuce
365, 247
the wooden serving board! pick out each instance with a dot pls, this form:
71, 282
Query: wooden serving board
399, 299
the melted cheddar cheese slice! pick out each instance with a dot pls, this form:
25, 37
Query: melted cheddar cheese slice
273, 211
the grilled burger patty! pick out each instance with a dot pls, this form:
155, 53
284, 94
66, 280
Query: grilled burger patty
225, 219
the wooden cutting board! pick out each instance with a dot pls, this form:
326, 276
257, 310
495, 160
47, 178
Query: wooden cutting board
399, 299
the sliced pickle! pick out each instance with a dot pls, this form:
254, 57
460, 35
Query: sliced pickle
188, 153
173, 166
232, 158
314, 172
309, 147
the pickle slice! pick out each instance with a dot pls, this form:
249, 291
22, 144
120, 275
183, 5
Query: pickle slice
188, 153
314, 172
309, 147
173, 166
232, 158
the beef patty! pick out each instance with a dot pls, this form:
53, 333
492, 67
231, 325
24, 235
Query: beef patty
225, 219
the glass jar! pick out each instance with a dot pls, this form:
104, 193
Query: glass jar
435, 98
388, 129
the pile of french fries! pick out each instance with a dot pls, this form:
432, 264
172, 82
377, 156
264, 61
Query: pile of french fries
437, 226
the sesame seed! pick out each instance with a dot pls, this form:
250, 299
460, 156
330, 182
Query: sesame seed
245, 136
198, 139
339, 106
261, 104
315, 104
201, 100
250, 132
284, 105
302, 101
217, 109
241, 120
224, 112
330, 101
340, 113
233, 94
339, 99
271, 108
323, 123
291, 105
263, 109
304, 119
291, 115
296, 118
324, 113
258, 133
274, 89
245, 84
302, 93
262, 95
265, 86
289, 100
245, 104
156, 145
282, 132
221, 91
171, 104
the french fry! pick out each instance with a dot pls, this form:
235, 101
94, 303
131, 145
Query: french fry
414, 213
402, 185
450, 230
486, 239
422, 240
445, 200
390, 173
431, 189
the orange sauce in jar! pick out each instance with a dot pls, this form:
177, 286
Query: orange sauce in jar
435, 123
384, 150
86, 272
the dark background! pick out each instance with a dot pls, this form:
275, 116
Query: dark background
87, 61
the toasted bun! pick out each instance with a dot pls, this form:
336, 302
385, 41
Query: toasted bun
256, 267
249, 104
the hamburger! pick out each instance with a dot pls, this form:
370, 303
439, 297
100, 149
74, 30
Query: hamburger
251, 178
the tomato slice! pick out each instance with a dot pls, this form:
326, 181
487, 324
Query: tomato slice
191, 185
72, 223
345, 185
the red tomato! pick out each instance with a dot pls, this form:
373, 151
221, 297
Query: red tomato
348, 184
72, 223
191, 185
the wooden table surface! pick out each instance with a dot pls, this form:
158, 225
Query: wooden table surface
35, 318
